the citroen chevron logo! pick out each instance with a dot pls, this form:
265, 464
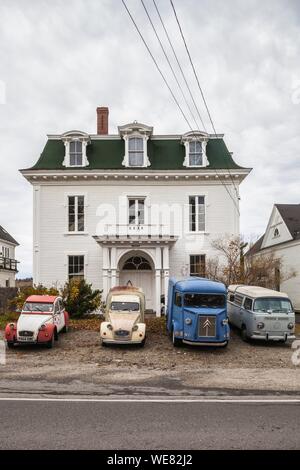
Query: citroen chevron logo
207, 326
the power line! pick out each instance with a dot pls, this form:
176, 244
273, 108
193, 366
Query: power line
169, 88
156, 64
196, 76
169, 63
178, 63
199, 86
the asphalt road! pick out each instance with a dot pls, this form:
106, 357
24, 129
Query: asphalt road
148, 425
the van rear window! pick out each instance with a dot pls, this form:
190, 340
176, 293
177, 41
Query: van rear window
204, 300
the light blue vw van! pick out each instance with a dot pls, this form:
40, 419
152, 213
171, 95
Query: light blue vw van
197, 312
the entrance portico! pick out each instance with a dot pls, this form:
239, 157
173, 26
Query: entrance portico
143, 260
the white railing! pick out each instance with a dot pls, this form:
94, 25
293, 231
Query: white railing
125, 230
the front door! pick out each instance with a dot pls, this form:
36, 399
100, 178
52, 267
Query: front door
143, 279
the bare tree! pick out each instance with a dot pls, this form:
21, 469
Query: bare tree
232, 266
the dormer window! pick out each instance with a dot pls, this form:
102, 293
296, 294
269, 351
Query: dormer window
75, 149
195, 153
135, 151
195, 149
76, 153
136, 136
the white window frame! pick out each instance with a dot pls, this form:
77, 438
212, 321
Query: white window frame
136, 199
193, 153
66, 208
195, 136
146, 161
76, 215
76, 153
75, 136
190, 264
84, 264
196, 196
5, 252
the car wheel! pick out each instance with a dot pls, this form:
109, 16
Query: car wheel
50, 343
244, 335
176, 341
10, 345
65, 329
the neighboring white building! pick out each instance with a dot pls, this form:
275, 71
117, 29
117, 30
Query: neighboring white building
282, 238
131, 206
8, 263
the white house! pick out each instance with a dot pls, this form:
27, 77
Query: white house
282, 238
8, 263
131, 206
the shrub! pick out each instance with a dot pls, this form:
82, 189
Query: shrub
79, 298
25, 292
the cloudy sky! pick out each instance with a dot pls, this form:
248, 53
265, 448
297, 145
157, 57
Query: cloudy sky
62, 58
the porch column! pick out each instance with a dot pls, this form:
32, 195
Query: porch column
105, 271
157, 280
113, 266
166, 273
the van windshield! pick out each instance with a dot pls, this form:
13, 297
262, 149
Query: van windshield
125, 306
204, 300
40, 307
274, 305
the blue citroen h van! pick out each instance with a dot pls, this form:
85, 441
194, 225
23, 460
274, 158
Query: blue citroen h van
197, 312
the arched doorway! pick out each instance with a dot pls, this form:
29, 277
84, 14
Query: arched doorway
137, 268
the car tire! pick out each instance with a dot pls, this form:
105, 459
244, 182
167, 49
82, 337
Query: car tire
50, 343
65, 329
10, 345
176, 341
244, 335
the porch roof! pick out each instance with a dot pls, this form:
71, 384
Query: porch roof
135, 240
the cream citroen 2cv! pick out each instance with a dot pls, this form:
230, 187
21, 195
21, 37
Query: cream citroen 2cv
124, 317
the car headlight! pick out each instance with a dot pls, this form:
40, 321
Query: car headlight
260, 325
42, 328
290, 326
135, 328
109, 327
12, 326
188, 321
225, 321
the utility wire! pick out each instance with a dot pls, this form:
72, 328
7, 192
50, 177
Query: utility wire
156, 64
169, 88
178, 63
196, 76
169, 63
200, 88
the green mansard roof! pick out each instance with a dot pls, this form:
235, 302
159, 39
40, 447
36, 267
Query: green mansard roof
107, 154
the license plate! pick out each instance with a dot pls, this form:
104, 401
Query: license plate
25, 339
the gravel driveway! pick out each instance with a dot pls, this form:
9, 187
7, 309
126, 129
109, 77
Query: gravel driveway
78, 364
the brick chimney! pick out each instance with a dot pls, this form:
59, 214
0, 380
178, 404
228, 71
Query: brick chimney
102, 120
